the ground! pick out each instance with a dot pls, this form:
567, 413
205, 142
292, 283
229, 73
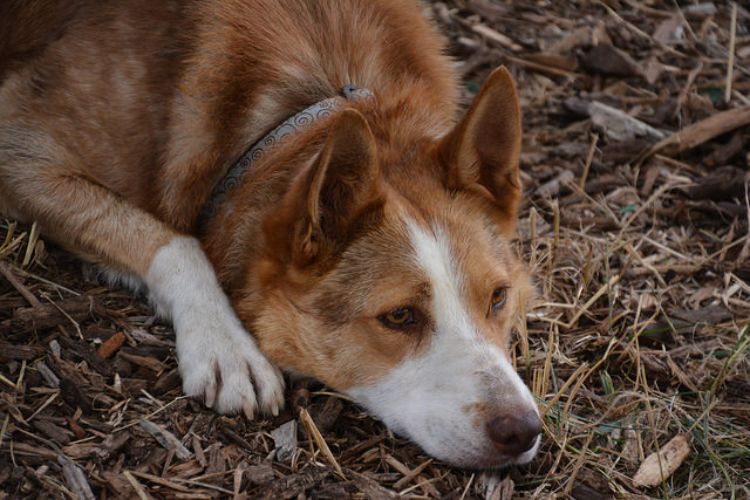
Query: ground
635, 221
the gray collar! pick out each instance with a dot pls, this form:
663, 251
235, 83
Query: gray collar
278, 135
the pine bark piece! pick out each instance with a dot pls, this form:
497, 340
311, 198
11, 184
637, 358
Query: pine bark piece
47, 374
50, 315
620, 126
660, 465
165, 438
721, 184
609, 60
325, 417
75, 479
152, 364
19, 352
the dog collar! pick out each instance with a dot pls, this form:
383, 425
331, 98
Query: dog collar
287, 128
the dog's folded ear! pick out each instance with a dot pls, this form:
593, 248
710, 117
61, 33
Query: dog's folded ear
342, 185
484, 148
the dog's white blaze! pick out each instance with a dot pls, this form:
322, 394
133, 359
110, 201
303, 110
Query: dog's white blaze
210, 338
428, 397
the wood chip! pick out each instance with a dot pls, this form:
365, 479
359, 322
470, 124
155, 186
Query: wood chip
139, 490
166, 439
496, 37
50, 315
609, 60
671, 30
75, 479
111, 345
620, 126
259, 474
145, 361
285, 438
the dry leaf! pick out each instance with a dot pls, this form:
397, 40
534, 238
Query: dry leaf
660, 465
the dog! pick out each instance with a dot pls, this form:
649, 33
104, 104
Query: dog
291, 169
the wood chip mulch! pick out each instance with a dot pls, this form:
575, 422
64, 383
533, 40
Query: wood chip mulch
636, 166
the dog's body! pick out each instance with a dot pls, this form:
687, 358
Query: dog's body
369, 250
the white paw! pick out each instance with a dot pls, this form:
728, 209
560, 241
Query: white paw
218, 360
220, 363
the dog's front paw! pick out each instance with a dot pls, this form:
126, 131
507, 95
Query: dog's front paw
220, 363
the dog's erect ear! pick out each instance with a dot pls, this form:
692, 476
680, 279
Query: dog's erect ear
485, 146
342, 184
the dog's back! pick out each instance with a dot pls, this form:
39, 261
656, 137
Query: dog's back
28, 26
162, 96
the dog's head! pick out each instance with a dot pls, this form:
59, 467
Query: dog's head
398, 286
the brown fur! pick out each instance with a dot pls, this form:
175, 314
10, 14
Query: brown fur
117, 119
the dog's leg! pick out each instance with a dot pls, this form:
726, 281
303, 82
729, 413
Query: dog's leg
218, 359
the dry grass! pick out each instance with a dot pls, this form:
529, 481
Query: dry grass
640, 334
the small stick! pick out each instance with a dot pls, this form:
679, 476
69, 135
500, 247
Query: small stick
466, 488
532, 235
136, 486
589, 159
9, 234
411, 475
539, 67
6, 271
602, 290
31, 245
4, 427
578, 464
699, 132
730, 57
639, 32
556, 227
317, 437
686, 89
165, 438
161, 481
495, 36
573, 377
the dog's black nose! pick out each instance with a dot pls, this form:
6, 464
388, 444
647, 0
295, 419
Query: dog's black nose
513, 434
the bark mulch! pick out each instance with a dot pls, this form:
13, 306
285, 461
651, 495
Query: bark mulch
635, 221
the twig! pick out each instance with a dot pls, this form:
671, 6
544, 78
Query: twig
166, 439
6, 271
315, 434
730, 56
589, 159
700, 132
602, 290
136, 486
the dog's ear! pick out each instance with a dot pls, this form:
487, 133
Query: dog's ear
483, 149
342, 184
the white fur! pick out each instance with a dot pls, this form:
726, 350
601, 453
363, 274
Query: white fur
429, 398
211, 341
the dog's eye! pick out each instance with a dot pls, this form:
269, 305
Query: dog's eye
399, 318
499, 295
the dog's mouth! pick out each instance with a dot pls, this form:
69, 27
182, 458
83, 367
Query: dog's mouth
490, 461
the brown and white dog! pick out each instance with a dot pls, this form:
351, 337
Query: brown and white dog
370, 249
